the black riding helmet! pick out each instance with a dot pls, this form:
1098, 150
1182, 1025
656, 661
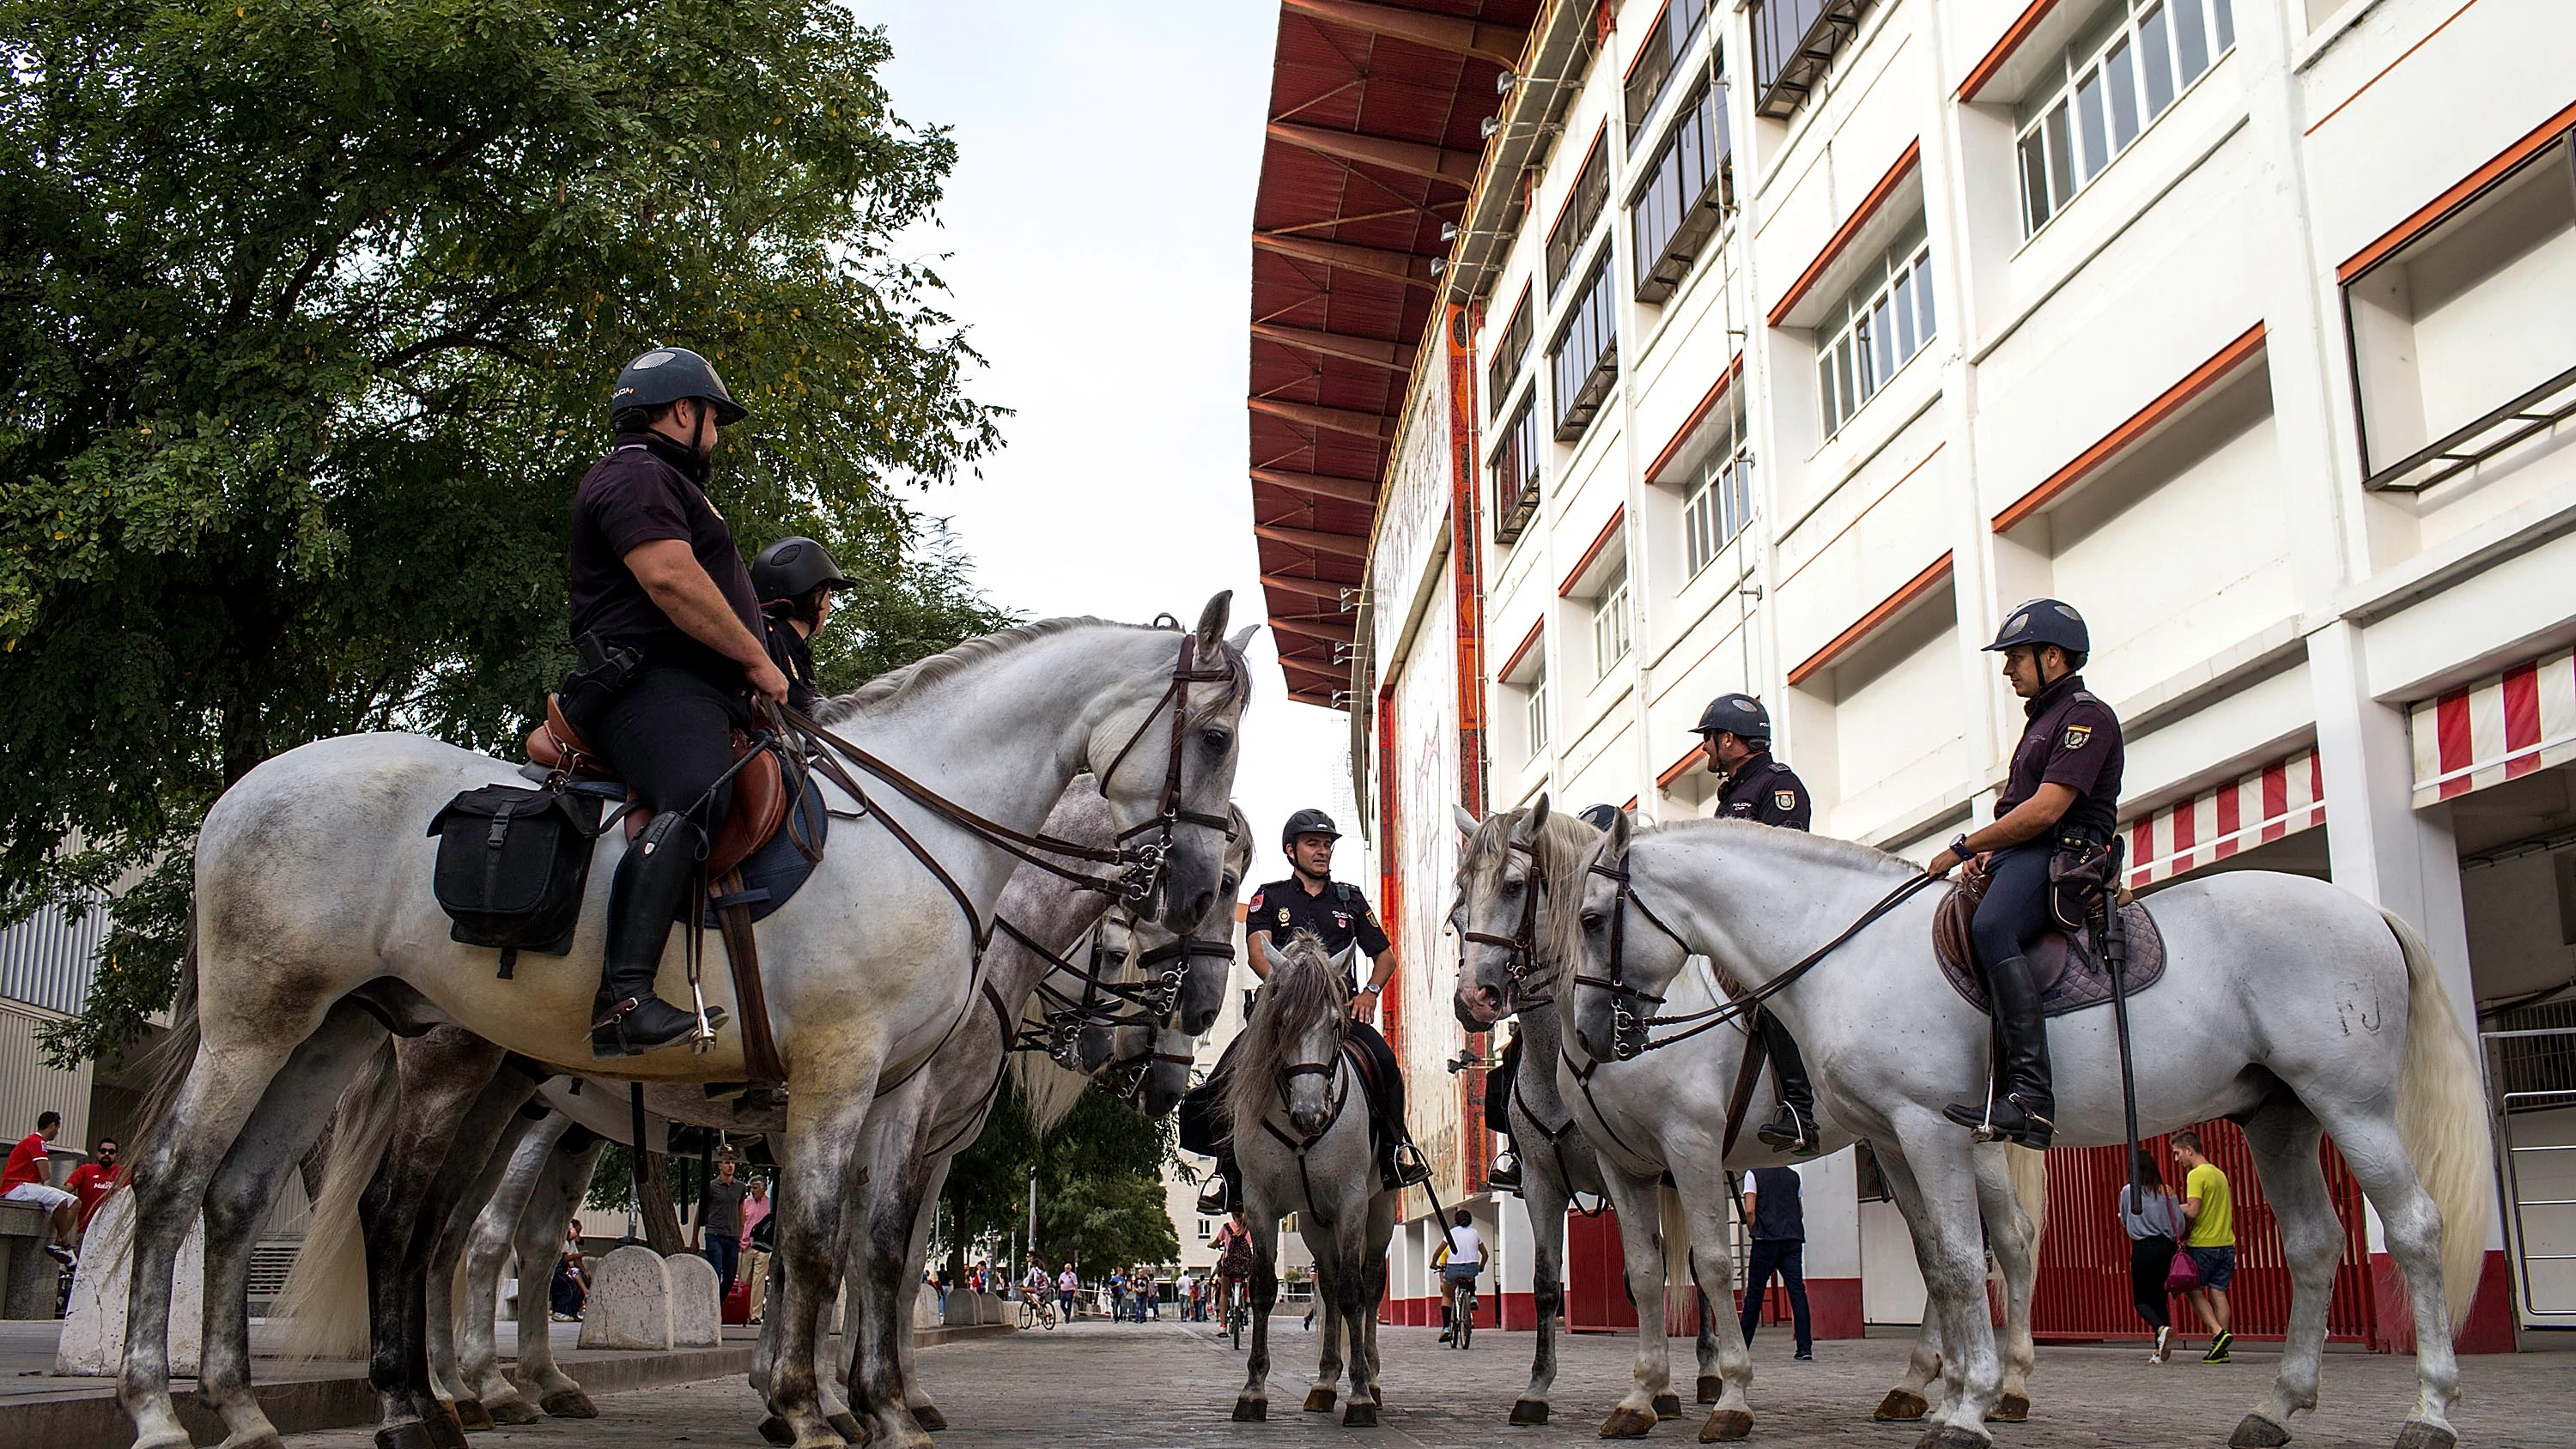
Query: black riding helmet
668, 374
1740, 715
2044, 621
1306, 822
794, 567
1600, 817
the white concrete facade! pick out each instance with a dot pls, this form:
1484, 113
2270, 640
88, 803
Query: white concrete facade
2172, 389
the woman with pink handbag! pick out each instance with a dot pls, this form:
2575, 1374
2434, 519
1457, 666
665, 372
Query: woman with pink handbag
2155, 1225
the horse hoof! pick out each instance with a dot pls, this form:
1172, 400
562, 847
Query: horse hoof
2257, 1432
512, 1411
2419, 1435
1951, 1436
846, 1424
574, 1404
929, 1417
471, 1414
1251, 1411
1627, 1423
1901, 1406
1711, 1389
1359, 1414
1319, 1401
412, 1435
1726, 1424
774, 1429
1529, 1412
444, 1431
2011, 1409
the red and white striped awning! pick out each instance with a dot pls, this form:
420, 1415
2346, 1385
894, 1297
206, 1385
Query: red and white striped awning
2505, 725
2282, 798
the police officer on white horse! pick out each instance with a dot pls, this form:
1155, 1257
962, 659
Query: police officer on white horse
672, 648
2064, 790
1736, 732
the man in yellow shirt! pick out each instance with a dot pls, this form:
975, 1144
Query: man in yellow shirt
2211, 1239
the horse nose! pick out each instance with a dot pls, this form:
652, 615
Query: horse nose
1197, 1022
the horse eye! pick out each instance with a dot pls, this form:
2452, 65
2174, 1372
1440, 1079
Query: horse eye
1217, 741
1592, 920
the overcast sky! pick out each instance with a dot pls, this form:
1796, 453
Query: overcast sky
1096, 242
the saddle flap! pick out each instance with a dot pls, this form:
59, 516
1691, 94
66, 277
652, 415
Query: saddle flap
2068, 973
759, 807
556, 745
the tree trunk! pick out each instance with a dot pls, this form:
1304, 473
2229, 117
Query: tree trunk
660, 1217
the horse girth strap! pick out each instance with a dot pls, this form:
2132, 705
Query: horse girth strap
761, 1062
1748, 1075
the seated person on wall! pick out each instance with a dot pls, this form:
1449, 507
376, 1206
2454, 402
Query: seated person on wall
23, 1182
1339, 914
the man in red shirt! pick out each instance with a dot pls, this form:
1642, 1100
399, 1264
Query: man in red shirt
93, 1180
23, 1181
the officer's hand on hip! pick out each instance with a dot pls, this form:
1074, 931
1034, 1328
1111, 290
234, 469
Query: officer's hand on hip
768, 682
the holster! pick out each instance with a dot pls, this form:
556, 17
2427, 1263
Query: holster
604, 670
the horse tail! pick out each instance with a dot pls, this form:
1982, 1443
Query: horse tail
2442, 1121
164, 1065
325, 1297
2030, 1184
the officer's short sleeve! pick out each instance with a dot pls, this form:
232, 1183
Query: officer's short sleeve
1366, 930
2082, 742
640, 504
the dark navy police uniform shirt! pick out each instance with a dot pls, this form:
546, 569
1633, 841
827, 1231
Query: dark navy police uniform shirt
2072, 739
1338, 917
642, 492
1766, 792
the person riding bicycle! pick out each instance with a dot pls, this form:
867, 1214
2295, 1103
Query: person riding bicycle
1233, 1244
1338, 913
795, 578
1465, 1259
2063, 793
1735, 731
669, 633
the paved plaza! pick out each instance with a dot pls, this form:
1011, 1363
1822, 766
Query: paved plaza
1171, 1384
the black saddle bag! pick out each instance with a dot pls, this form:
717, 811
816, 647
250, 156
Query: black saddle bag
512, 864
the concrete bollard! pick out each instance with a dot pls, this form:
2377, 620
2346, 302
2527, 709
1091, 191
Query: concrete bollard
697, 1319
92, 1344
630, 1301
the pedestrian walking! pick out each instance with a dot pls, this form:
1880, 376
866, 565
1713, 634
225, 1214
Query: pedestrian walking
1117, 1295
1779, 1220
2211, 1239
1067, 1284
2155, 1225
720, 1224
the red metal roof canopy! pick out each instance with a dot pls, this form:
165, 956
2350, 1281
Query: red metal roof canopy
1376, 117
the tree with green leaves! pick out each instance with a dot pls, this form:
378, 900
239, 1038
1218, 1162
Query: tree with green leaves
1100, 1194
308, 313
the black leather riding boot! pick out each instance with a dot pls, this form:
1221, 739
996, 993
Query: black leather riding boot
2026, 1104
1793, 1128
653, 882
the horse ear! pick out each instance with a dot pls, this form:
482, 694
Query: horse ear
1342, 958
1466, 823
1242, 638
1538, 815
1622, 827
1212, 619
1271, 952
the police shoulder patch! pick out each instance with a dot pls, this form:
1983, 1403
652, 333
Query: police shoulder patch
1785, 799
2078, 736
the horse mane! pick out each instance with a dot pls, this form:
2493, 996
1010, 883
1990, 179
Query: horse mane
1303, 988
1047, 1091
1802, 845
897, 684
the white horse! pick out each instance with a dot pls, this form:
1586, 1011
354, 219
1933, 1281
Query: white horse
314, 915
542, 1187
1304, 1146
1649, 1116
2288, 1004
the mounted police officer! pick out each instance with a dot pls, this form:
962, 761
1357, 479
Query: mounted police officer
2064, 790
1735, 730
795, 578
1339, 914
671, 642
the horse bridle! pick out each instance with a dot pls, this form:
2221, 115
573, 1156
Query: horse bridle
1521, 946
1331, 1067
1140, 865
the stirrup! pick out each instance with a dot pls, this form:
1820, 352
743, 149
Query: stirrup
1798, 1139
1505, 1173
1411, 1168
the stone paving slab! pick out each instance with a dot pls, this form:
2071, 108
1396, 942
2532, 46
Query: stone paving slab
1170, 1384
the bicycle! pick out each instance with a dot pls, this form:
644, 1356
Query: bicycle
1462, 1311
1240, 1314
1036, 1311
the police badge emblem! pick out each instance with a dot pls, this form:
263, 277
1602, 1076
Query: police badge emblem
2078, 736
1784, 799
1283, 915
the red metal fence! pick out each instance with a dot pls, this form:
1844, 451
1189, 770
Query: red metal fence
2084, 1258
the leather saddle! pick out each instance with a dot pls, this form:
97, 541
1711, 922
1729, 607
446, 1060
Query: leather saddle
760, 800
2067, 968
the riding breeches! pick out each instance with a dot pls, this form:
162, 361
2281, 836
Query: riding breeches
670, 733
1390, 1081
1498, 1087
2015, 908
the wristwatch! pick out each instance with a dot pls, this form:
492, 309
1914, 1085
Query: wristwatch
1959, 846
